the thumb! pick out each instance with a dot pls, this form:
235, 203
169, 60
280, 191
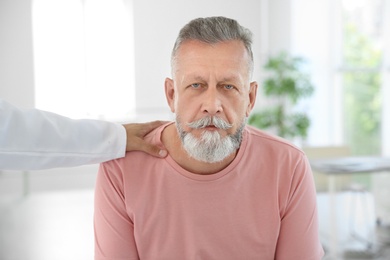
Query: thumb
153, 150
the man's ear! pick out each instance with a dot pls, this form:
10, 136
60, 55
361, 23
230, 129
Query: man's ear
252, 97
170, 93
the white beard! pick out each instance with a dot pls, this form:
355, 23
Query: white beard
210, 147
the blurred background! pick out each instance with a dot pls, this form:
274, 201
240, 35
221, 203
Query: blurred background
107, 59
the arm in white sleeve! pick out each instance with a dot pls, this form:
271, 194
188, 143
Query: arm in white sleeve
32, 139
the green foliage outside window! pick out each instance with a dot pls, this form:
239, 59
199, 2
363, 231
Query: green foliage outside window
362, 100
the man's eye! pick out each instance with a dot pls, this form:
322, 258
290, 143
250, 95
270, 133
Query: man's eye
195, 85
229, 86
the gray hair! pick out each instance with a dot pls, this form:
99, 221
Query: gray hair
214, 30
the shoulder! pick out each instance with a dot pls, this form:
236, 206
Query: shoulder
274, 155
259, 139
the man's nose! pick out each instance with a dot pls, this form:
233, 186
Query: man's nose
212, 103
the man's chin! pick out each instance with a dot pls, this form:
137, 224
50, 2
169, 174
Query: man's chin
208, 160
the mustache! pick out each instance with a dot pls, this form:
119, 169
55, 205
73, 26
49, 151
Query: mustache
210, 121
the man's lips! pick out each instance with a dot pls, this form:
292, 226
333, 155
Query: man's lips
210, 127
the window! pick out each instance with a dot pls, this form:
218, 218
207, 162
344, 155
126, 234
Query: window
360, 74
83, 58
344, 40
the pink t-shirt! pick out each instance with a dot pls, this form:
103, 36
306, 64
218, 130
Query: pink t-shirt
261, 206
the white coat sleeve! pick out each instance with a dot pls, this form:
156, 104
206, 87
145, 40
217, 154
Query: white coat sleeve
32, 139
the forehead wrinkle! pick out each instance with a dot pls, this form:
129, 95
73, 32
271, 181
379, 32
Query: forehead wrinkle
233, 78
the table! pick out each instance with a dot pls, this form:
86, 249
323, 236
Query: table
345, 165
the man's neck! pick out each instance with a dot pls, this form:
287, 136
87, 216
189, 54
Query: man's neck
172, 142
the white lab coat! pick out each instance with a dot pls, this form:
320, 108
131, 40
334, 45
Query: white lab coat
32, 139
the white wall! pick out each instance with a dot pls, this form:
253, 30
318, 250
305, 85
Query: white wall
16, 53
279, 35
315, 19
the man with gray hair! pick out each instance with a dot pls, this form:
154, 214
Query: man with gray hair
226, 190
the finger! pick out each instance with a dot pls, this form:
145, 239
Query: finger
153, 150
